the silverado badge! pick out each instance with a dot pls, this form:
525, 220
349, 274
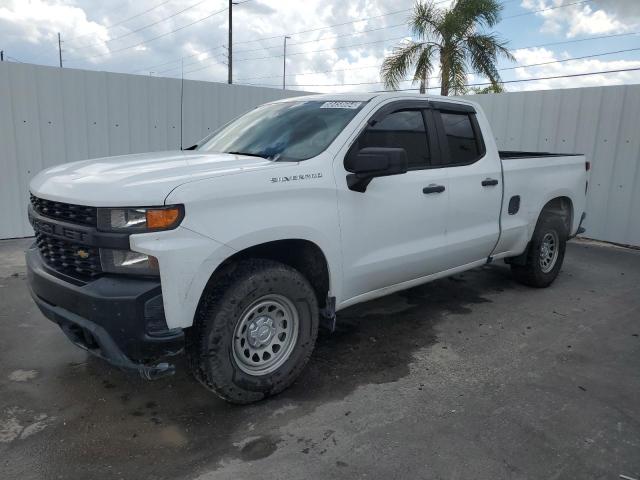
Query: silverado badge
290, 178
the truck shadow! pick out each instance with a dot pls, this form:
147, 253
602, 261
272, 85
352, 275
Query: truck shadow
374, 342
119, 416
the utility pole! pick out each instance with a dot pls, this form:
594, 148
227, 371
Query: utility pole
284, 63
60, 49
230, 66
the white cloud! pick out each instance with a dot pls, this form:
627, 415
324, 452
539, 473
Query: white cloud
580, 19
38, 22
96, 36
541, 55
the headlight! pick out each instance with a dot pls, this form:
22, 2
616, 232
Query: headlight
138, 220
128, 262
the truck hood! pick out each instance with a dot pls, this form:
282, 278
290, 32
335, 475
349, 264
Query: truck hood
137, 180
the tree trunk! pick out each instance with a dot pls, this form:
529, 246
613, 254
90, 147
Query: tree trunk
423, 83
444, 73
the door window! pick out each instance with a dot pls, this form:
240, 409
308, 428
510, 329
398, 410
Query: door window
464, 146
400, 129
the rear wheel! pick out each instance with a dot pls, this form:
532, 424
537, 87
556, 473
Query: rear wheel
255, 331
545, 255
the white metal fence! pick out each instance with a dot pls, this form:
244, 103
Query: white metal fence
50, 116
601, 122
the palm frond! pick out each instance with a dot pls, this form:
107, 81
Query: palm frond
480, 13
483, 51
424, 64
467, 16
456, 38
425, 20
458, 72
395, 67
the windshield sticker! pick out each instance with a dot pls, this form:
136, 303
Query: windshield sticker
349, 105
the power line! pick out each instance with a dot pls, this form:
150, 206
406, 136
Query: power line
304, 52
573, 58
350, 34
281, 35
326, 38
554, 77
291, 44
599, 37
138, 15
13, 58
332, 26
353, 33
156, 37
289, 54
399, 38
304, 31
500, 69
367, 43
113, 25
564, 5
131, 32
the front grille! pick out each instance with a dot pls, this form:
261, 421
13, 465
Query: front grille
70, 258
67, 212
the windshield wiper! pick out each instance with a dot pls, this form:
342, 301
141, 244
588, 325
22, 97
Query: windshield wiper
249, 154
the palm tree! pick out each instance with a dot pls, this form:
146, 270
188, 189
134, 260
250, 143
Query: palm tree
452, 37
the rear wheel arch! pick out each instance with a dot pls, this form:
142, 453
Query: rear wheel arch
541, 262
560, 206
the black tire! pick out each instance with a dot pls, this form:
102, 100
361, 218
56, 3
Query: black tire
532, 272
210, 342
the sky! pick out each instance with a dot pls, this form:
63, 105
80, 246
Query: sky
333, 45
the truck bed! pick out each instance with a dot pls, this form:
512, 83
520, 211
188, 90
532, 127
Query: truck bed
530, 180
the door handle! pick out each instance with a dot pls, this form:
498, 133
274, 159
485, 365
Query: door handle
489, 182
433, 188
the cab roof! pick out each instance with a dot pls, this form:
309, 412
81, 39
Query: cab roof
367, 96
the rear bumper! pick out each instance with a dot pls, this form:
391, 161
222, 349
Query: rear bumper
117, 318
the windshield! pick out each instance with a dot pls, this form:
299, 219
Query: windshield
289, 131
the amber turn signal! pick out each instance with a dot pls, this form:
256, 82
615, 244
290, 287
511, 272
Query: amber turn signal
162, 218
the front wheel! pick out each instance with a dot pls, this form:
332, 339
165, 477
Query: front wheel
545, 255
255, 331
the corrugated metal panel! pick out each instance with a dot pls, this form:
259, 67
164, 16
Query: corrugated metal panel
601, 122
50, 116
54, 115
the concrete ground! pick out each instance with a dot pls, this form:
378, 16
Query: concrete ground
472, 377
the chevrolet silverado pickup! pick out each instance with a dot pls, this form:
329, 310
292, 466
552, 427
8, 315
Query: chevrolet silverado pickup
236, 250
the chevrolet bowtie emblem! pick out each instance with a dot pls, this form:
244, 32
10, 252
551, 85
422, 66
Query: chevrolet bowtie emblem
82, 254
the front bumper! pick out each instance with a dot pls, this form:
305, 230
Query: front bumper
117, 318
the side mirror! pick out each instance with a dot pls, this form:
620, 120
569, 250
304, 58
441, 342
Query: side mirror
372, 162
192, 147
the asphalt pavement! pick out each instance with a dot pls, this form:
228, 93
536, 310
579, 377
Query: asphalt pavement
470, 377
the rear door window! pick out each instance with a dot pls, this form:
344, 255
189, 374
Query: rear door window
462, 140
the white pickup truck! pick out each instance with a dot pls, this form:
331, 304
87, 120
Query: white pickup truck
237, 249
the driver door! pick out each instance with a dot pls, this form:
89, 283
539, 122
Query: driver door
395, 231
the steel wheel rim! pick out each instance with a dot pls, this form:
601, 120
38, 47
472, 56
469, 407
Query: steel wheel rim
549, 251
266, 335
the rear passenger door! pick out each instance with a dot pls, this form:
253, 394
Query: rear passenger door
395, 230
475, 184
